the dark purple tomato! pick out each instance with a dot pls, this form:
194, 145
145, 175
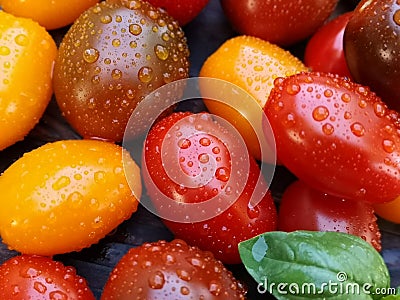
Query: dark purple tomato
371, 45
114, 55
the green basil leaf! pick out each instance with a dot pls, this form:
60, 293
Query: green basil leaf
315, 265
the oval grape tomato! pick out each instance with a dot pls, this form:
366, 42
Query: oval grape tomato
66, 195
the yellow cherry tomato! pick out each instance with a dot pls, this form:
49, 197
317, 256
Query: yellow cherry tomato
252, 64
51, 14
27, 54
67, 195
389, 211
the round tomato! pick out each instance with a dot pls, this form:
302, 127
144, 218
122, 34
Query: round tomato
252, 64
324, 51
75, 186
51, 14
171, 270
208, 190
183, 11
111, 58
371, 46
336, 135
283, 22
41, 278
27, 54
303, 208
389, 211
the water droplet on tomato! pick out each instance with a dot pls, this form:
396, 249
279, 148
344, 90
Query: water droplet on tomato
328, 93
345, 98
222, 174
116, 74
320, 113
161, 52
185, 290
29, 272
116, 42
90, 55
145, 74
293, 89
100, 177
362, 103
61, 182
347, 115
205, 142
39, 287
216, 150
184, 143
253, 212
204, 158
215, 288
388, 145
58, 295
106, 19
183, 274
396, 17
379, 109
21, 39
357, 129
135, 29
328, 129
4, 50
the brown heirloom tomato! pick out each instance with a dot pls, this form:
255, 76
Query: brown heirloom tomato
111, 58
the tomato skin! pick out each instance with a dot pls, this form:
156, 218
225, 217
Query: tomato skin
389, 211
171, 270
51, 14
252, 64
40, 278
335, 124
284, 22
371, 48
324, 51
58, 181
109, 61
183, 11
219, 233
304, 208
27, 57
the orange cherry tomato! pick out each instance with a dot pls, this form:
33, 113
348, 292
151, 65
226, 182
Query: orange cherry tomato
51, 14
27, 54
69, 195
389, 211
252, 64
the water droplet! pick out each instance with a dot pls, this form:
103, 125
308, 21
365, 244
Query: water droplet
222, 174
183, 274
328, 129
396, 17
184, 143
161, 52
215, 287
91, 55
204, 158
205, 142
293, 89
61, 182
379, 109
290, 120
185, 290
320, 113
345, 98
197, 262
145, 74
357, 129
362, 103
116, 42
107, 61
39, 287
4, 50
29, 272
106, 19
347, 115
21, 39
116, 74
165, 37
216, 150
253, 212
388, 145
328, 93
58, 295
135, 29
100, 177
169, 259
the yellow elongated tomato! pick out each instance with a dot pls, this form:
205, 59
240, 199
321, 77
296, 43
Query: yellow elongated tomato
66, 195
389, 211
27, 54
51, 14
252, 64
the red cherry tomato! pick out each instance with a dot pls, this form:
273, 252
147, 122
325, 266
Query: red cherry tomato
41, 278
337, 136
183, 11
173, 270
212, 170
324, 51
279, 22
303, 208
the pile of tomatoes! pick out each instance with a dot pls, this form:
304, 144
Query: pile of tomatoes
318, 103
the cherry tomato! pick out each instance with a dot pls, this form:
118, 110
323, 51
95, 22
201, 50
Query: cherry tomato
110, 59
210, 168
389, 211
337, 136
75, 186
252, 64
27, 54
324, 51
284, 22
303, 208
371, 48
171, 270
51, 14
41, 278
183, 11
